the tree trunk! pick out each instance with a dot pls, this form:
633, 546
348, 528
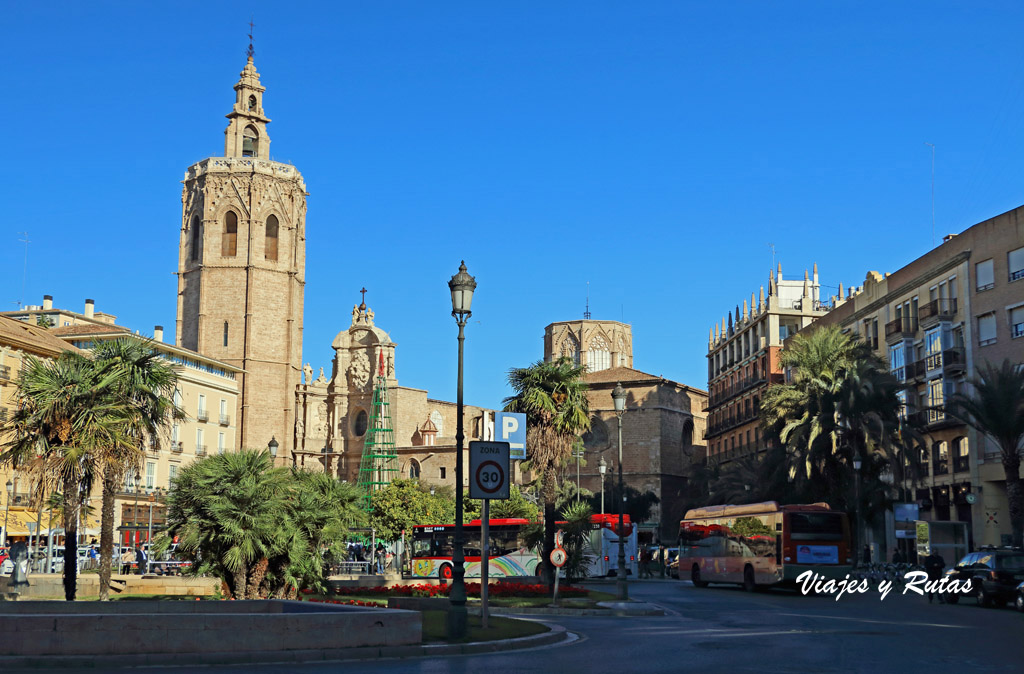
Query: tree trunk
72, 506
1014, 494
107, 531
256, 576
241, 574
547, 569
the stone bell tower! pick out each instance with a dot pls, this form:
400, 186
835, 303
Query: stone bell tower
241, 269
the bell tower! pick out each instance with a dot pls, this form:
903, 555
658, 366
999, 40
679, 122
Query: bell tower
241, 269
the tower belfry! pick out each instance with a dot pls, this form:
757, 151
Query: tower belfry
379, 464
241, 268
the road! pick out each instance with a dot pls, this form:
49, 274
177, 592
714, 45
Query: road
723, 629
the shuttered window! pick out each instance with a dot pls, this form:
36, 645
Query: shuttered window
985, 275
1016, 263
986, 329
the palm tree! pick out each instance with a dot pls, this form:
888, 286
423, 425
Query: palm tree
144, 393
553, 397
841, 405
64, 422
996, 409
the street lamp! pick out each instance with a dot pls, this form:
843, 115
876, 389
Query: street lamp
135, 514
7, 510
602, 466
856, 505
462, 286
272, 447
622, 592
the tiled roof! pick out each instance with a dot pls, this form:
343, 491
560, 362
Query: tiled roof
628, 374
87, 329
31, 337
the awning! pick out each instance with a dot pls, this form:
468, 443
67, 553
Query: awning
18, 520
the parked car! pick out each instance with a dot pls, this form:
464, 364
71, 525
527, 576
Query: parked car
995, 575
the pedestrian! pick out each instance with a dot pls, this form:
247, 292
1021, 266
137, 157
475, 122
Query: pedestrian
140, 559
378, 558
661, 560
897, 558
933, 566
645, 564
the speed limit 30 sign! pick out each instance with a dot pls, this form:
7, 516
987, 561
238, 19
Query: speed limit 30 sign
489, 470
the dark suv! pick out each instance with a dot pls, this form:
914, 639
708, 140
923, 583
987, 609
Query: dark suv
993, 573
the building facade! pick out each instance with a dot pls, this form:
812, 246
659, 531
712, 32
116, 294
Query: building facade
934, 322
662, 427
743, 360
241, 269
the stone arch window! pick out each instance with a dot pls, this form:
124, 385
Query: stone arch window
229, 239
250, 142
688, 434
196, 250
598, 357
414, 469
597, 436
940, 458
961, 462
252, 103
270, 247
362, 423
571, 349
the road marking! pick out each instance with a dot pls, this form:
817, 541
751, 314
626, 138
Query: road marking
879, 622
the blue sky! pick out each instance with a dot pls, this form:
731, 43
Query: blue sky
651, 149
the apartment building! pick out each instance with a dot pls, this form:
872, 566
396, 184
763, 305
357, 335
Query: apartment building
743, 360
934, 322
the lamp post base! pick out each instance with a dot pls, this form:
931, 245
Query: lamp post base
621, 590
457, 622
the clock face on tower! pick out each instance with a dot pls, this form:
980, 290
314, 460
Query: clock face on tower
252, 102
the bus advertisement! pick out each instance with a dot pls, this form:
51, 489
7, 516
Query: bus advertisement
433, 545
763, 544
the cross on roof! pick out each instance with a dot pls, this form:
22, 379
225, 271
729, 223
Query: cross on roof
251, 51
363, 291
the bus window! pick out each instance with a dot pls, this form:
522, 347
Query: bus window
816, 526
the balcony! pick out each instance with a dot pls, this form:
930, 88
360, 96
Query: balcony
961, 464
901, 328
932, 312
916, 371
203, 415
954, 360
225, 420
200, 450
177, 447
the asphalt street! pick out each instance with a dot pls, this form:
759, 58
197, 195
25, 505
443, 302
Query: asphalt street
723, 629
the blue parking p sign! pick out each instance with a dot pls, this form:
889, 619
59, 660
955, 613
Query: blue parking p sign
510, 427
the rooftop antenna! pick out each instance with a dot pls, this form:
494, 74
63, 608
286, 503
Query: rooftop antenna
932, 146
772, 246
250, 51
24, 273
586, 312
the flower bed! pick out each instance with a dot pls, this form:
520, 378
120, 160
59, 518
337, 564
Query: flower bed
472, 590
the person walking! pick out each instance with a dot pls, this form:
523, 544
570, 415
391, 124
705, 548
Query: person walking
645, 564
140, 559
933, 566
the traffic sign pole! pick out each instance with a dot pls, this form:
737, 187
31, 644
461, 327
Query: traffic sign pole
485, 551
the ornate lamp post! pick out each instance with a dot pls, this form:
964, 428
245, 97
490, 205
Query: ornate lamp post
621, 590
601, 468
272, 448
462, 286
7, 510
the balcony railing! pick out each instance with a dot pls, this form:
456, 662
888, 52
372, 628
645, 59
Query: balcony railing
203, 415
225, 420
954, 359
901, 327
937, 310
177, 447
200, 450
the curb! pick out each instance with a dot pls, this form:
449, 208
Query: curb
572, 611
555, 635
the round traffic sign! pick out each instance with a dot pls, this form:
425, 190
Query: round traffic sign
490, 477
558, 557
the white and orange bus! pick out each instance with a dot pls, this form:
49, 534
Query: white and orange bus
763, 544
432, 546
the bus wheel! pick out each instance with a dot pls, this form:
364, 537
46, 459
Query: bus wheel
748, 579
445, 572
695, 577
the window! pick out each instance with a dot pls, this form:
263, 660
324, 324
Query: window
252, 103
687, 434
225, 333
960, 455
940, 457
270, 248
177, 397
172, 475
935, 400
174, 435
150, 475
220, 443
229, 239
1017, 322
597, 436
902, 397
250, 142
600, 360
1015, 258
443, 472
984, 275
896, 362
362, 422
414, 469
197, 239
200, 447
933, 348
986, 329
202, 408
224, 412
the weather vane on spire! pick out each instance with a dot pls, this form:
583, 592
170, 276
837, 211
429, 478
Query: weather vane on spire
250, 51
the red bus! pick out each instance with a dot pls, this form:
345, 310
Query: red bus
432, 546
763, 544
